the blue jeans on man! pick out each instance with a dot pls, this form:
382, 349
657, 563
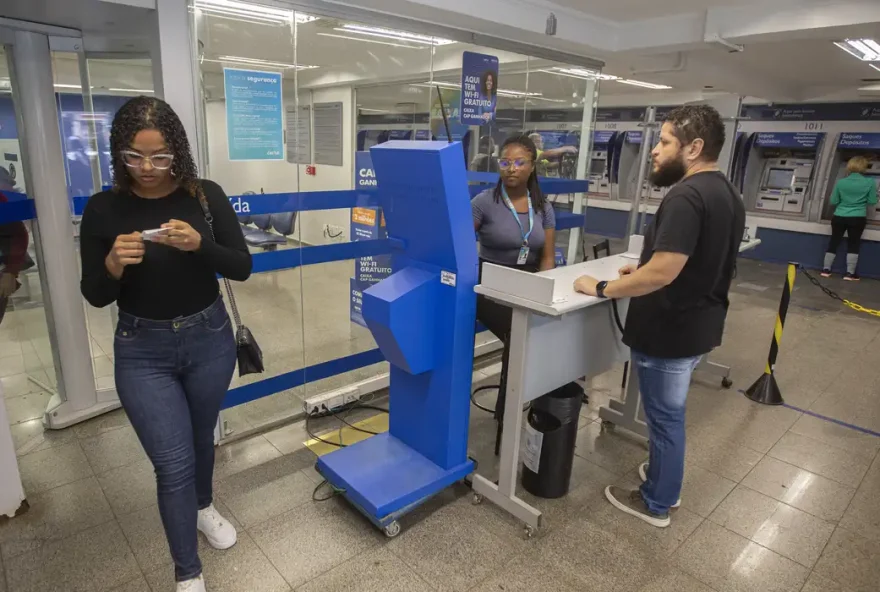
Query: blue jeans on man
664, 384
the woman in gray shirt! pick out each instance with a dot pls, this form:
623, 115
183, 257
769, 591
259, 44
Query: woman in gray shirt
515, 213
516, 226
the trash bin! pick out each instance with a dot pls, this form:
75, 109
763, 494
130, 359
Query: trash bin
551, 433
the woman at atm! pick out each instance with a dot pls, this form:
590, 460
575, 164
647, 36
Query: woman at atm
516, 227
851, 197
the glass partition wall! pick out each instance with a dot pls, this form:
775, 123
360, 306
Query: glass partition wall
346, 86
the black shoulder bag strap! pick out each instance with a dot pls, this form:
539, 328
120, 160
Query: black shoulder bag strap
250, 356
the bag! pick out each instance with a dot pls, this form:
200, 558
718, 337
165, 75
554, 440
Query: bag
250, 356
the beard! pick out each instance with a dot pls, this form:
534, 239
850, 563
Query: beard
669, 174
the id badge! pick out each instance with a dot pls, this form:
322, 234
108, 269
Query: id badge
523, 255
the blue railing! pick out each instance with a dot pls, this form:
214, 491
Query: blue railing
20, 208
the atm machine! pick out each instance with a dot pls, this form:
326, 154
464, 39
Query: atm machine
626, 159
778, 171
600, 163
848, 146
652, 192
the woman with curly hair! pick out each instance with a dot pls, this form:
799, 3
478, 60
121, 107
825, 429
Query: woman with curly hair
174, 347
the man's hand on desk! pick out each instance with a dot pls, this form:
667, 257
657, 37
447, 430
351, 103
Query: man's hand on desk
586, 285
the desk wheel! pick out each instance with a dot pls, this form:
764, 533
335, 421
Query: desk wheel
392, 530
726, 382
478, 499
529, 531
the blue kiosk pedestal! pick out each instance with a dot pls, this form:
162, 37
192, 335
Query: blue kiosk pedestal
422, 318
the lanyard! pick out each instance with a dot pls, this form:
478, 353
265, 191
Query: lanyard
525, 235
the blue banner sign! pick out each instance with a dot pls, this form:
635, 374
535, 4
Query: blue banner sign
788, 140
479, 88
254, 115
813, 112
602, 136
616, 114
634, 137
400, 134
367, 223
860, 141
423, 134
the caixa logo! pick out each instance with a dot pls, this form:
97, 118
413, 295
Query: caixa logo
273, 153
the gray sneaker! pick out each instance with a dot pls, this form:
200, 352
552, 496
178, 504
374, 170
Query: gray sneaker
631, 502
643, 475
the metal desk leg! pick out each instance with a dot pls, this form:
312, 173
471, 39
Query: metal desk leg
504, 494
717, 369
627, 414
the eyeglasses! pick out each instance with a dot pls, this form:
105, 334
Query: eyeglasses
506, 163
136, 160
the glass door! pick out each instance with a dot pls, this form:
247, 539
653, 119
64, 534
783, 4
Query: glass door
54, 145
107, 81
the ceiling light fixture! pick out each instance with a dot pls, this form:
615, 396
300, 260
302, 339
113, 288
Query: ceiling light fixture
866, 50
252, 12
584, 74
641, 84
369, 40
257, 62
515, 94
131, 90
392, 34
76, 86
581, 73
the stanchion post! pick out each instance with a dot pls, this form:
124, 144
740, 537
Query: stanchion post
766, 390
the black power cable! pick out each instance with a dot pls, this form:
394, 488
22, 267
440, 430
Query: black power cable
480, 389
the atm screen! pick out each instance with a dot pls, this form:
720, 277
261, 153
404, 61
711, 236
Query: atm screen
780, 178
597, 166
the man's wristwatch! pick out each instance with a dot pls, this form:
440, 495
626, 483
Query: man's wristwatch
600, 289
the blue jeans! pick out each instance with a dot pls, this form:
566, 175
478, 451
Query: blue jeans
664, 384
172, 377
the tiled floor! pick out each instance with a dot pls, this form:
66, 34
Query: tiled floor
774, 499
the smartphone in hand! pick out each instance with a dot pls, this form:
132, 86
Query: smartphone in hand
152, 235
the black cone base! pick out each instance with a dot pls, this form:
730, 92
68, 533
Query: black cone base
765, 391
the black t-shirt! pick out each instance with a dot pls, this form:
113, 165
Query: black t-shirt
168, 283
702, 217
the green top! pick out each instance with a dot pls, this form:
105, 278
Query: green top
853, 194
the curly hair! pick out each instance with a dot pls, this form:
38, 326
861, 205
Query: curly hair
148, 113
534, 187
699, 121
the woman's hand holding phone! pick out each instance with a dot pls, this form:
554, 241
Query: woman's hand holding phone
128, 249
180, 236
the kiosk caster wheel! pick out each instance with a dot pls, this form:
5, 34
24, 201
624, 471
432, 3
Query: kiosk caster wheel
529, 531
392, 530
726, 382
478, 499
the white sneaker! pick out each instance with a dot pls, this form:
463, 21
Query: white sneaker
194, 585
643, 474
217, 529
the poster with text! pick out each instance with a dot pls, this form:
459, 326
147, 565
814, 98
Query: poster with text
367, 223
254, 115
479, 88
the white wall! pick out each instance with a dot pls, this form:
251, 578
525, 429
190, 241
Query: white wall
283, 177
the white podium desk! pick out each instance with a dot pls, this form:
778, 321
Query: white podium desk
557, 336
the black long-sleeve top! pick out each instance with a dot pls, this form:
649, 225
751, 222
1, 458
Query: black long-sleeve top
168, 283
